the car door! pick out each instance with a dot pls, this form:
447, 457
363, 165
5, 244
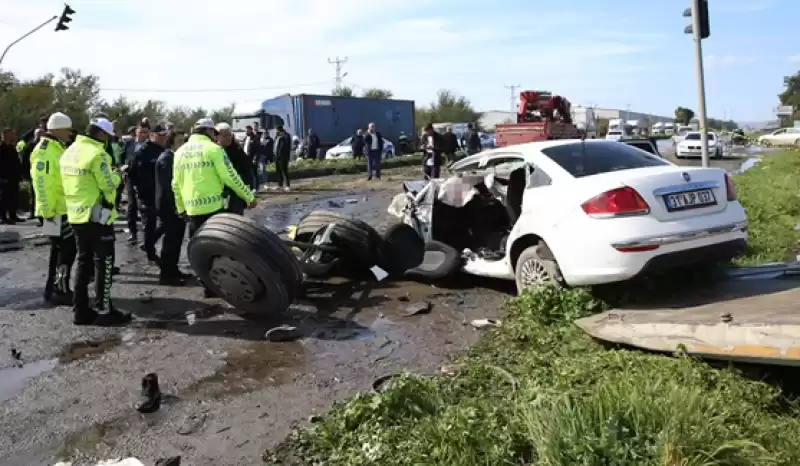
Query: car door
777, 137
790, 136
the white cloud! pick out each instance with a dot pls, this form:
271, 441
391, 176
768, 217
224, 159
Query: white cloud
794, 58
278, 47
727, 61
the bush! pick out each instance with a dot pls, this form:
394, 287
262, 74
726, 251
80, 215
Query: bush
305, 168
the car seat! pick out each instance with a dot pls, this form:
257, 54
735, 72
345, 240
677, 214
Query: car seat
513, 199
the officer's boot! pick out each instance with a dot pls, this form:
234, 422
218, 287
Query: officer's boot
107, 314
63, 295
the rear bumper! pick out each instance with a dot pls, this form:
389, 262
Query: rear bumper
712, 253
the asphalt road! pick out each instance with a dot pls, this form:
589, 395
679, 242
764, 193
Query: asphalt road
229, 393
731, 160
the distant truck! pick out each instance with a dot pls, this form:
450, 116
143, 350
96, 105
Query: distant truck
583, 118
541, 116
332, 118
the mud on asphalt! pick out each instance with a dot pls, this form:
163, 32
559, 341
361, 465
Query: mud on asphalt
228, 393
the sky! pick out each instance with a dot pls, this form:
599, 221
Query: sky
612, 54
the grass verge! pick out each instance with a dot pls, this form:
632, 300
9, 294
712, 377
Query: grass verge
770, 192
313, 168
538, 391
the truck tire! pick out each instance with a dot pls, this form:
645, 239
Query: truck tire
402, 249
441, 261
247, 265
358, 241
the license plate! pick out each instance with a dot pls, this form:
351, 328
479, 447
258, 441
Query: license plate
690, 200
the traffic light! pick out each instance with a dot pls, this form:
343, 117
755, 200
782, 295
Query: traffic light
702, 11
65, 18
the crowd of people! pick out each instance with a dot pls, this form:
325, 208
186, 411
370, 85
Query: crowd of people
169, 182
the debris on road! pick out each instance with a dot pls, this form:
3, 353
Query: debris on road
151, 394
486, 323
422, 307
283, 333
172, 461
192, 424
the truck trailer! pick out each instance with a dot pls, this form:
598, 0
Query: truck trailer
332, 118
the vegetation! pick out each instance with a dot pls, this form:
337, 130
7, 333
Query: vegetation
791, 96
23, 102
447, 108
305, 168
376, 93
769, 193
539, 391
684, 115
343, 91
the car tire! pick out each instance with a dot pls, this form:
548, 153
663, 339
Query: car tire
535, 266
401, 249
244, 263
440, 261
357, 239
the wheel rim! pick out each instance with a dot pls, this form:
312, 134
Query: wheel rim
533, 273
235, 280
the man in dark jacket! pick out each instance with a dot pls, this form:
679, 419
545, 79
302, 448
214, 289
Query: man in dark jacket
283, 152
373, 147
172, 225
10, 176
449, 144
432, 160
142, 134
357, 144
142, 176
241, 162
472, 140
312, 145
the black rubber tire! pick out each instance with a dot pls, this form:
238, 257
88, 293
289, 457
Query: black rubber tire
448, 264
402, 249
357, 239
254, 248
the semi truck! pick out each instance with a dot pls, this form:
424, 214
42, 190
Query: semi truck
333, 118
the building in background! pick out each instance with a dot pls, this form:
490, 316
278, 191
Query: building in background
491, 118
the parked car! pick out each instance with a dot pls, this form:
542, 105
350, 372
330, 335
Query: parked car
344, 151
615, 135
782, 137
690, 146
573, 213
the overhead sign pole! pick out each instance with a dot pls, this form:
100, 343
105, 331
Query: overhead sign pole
699, 29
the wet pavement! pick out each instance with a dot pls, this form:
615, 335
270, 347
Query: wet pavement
735, 159
228, 392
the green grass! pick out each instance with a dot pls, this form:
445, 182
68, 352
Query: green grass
305, 168
770, 192
539, 391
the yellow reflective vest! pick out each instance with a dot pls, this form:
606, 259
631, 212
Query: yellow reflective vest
88, 180
46, 177
201, 170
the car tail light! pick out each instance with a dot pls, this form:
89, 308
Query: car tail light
616, 203
730, 188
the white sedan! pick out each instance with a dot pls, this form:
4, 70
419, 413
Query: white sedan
344, 151
576, 213
690, 146
782, 137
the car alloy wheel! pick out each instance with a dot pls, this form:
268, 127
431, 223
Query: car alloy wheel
533, 272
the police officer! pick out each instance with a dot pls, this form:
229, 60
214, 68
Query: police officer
201, 171
90, 186
142, 175
51, 206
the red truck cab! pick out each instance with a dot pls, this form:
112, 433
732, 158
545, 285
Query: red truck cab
541, 116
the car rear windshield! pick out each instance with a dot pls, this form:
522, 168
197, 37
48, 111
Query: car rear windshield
696, 137
587, 159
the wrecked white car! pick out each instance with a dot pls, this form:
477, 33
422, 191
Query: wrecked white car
571, 212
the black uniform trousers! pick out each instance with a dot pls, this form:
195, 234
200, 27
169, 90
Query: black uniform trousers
195, 222
132, 211
62, 256
149, 215
174, 229
95, 255
9, 200
282, 170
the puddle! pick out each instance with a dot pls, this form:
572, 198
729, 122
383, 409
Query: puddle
277, 218
88, 349
746, 165
13, 380
253, 367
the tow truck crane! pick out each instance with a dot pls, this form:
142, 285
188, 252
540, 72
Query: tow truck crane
541, 116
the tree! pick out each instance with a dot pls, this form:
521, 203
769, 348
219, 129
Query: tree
22, 103
376, 93
343, 91
448, 108
791, 96
683, 115
601, 126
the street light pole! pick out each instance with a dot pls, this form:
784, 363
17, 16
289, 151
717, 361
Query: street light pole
26, 35
700, 30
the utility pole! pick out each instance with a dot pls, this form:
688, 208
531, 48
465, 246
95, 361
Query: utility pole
700, 29
513, 90
339, 76
26, 35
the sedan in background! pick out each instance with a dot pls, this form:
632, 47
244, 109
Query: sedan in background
344, 151
690, 146
782, 137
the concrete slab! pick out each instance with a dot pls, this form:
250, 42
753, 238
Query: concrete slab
750, 320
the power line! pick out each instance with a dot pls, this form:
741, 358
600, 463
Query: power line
338, 62
513, 95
